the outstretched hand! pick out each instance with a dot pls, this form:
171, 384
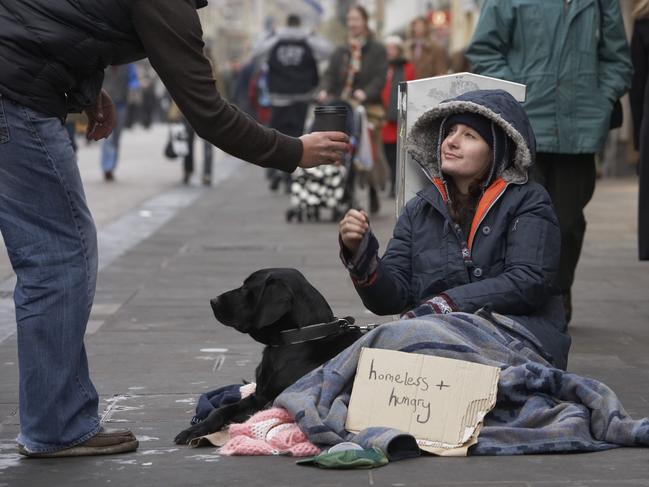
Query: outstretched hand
101, 117
323, 148
353, 228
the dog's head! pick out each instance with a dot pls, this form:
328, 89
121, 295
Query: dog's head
271, 300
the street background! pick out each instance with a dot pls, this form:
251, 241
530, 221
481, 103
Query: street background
167, 248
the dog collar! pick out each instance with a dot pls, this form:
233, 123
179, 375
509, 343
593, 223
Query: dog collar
319, 330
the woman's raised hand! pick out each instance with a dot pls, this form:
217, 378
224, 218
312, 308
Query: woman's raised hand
353, 228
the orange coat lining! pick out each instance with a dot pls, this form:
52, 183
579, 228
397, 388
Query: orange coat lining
490, 195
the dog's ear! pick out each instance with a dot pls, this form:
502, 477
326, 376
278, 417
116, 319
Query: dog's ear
273, 302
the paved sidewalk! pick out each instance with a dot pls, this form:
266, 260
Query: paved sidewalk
154, 346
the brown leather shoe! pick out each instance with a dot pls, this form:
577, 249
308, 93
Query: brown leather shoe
105, 442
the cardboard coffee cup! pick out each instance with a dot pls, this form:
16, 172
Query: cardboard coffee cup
330, 119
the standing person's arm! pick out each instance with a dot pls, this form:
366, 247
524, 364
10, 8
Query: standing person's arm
640, 58
262, 50
488, 49
320, 47
171, 34
614, 66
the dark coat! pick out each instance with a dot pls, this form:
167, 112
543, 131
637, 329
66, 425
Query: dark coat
53, 53
640, 111
512, 252
370, 78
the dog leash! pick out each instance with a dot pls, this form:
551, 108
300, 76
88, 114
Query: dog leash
321, 330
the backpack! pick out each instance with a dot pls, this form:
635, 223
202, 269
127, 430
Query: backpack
292, 68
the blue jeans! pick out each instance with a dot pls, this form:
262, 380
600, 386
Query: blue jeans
110, 146
52, 244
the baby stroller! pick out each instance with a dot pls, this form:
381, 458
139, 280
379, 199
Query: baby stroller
330, 187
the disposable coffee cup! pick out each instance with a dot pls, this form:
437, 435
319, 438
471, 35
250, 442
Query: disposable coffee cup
330, 119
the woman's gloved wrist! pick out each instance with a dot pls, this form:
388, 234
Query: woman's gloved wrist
363, 263
440, 305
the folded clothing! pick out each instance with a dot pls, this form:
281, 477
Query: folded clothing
269, 432
221, 397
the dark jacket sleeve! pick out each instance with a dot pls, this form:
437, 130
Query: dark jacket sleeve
639, 87
388, 290
531, 262
171, 34
377, 62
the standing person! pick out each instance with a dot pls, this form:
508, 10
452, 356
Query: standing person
47, 228
574, 74
118, 80
399, 70
291, 55
427, 56
208, 149
188, 160
356, 73
640, 111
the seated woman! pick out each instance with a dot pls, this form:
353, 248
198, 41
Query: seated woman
481, 236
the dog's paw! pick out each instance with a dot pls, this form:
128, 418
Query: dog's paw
185, 436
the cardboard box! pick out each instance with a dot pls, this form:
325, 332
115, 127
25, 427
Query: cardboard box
440, 401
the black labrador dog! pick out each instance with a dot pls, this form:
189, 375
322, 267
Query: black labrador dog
276, 307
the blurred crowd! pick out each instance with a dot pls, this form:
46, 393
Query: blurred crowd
290, 69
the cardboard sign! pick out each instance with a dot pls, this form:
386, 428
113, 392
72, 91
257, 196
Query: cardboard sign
440, 401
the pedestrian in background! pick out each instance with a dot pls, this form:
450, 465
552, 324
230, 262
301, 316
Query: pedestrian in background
640, 112
574, 58
399, 70
356, 73
118, 80
427, 56
292, 55
46, 224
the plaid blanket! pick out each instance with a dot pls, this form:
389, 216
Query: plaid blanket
539, 409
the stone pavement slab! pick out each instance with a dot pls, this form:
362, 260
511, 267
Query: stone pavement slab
155, 347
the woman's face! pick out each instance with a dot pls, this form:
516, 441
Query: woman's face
392, 51
418, 29
356, 26
466, 157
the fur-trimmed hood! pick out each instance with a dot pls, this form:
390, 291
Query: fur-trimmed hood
424, 139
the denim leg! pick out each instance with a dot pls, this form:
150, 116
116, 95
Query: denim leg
52, 244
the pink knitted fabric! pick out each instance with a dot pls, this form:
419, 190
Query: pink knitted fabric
269, 432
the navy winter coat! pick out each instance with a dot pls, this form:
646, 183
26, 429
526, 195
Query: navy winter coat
512, 251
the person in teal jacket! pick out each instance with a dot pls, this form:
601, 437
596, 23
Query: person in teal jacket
574, 58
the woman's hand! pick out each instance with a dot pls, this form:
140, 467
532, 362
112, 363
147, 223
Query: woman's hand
353, 228
101, 117
323, 148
